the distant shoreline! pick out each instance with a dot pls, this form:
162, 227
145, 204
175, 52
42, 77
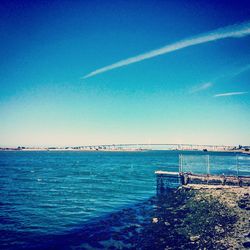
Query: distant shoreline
117, 150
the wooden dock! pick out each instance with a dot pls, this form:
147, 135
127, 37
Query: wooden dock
173, 179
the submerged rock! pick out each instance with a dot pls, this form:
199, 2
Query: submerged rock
195, 238
155, 220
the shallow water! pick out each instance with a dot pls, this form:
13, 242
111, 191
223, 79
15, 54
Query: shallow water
49, 193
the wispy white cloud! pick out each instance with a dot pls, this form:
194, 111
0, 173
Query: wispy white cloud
233, 31
230, 94
229, 74
241, 70
232, 73
201, 87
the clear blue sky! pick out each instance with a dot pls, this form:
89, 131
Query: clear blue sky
48, 46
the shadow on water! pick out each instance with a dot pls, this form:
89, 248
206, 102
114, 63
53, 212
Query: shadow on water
116, 230
135, 226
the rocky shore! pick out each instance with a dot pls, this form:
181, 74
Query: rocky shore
202, 217
190, 217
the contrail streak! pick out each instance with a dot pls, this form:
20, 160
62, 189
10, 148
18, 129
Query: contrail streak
230, 93
201, 87
235, 31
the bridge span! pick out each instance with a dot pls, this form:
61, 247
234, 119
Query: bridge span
154, 146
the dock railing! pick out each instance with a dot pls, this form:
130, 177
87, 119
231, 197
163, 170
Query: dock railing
233, 165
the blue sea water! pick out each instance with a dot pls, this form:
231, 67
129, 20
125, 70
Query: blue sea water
51, 192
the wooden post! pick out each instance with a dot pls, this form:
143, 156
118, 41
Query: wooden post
208, 165
237, 166
180, 164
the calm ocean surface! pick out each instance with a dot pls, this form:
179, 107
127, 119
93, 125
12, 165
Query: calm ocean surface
46, 193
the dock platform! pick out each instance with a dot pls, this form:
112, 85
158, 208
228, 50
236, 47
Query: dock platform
174, 179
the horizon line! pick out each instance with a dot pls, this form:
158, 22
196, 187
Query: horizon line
126, 144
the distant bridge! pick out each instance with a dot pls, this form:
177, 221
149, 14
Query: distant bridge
162, 146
